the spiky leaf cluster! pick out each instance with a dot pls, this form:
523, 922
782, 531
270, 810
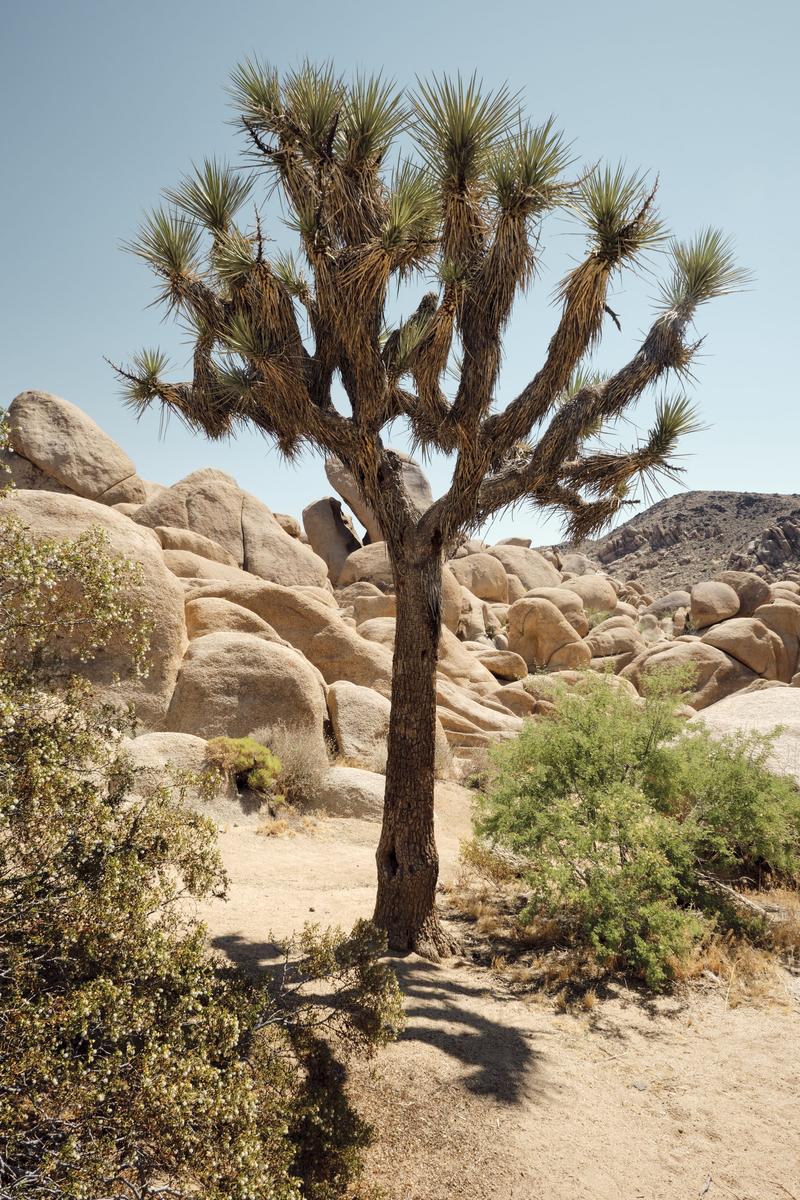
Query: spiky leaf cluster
450, 183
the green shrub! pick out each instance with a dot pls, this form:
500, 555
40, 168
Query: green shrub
628, 824
134, 1063
252, 764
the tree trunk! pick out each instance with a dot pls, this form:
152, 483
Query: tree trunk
408, 863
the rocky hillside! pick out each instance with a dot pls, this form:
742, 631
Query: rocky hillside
282, 629
685, 538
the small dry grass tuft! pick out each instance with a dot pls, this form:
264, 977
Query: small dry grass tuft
303, 764
275, 827
785, 934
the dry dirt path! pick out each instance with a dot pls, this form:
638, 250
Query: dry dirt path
489, 1095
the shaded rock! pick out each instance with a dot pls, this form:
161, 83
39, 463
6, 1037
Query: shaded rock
537, 631
783, 618
20, 473
472, 622
343, 482
360, 719
329, 535
289, 524
567, 602
451, 600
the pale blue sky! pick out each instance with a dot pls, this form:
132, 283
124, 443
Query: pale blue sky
107, 102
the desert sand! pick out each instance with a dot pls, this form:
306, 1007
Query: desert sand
489, 1094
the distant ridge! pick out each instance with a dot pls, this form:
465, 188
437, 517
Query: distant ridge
693, 535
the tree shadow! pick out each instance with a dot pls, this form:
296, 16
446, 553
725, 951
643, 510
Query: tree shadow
449, 1012
265, 959
445, 1008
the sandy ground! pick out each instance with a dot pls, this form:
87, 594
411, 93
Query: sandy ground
490, 1095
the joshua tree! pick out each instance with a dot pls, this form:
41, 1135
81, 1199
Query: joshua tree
461, 208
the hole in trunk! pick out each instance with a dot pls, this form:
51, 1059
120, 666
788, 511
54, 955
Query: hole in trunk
392, 865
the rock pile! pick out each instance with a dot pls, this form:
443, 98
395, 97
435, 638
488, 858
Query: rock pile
261, 623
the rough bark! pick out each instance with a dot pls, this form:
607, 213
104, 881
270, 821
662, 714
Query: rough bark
408, 863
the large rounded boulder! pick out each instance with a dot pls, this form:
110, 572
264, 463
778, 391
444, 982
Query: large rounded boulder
544, 637
313, 627
748, 640
596, 591
567, 602
529, 567
211, 503
69, 447
240, 685
181, 760
783, 618
710, 674
483, 575
712, 602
